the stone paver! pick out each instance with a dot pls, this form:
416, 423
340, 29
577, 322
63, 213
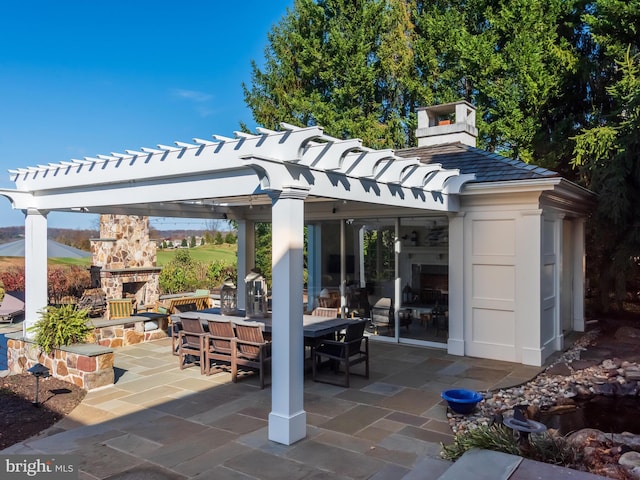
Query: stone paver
162, 423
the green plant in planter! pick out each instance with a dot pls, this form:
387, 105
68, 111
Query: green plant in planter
59, 326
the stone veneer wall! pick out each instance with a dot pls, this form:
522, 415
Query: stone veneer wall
124, 254
113, 335
88, 367
124, 243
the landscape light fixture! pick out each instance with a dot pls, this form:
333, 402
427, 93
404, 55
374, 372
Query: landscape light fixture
38, 371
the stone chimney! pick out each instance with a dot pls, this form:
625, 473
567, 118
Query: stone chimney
448, 123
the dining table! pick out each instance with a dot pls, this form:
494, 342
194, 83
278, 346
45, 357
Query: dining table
314, 327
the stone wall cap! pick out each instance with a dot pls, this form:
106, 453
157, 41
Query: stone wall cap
86, 349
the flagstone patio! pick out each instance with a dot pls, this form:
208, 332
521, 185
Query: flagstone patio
159, 421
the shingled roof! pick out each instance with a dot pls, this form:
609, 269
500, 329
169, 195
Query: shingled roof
488, 167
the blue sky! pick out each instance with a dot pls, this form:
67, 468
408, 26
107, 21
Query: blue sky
81, 78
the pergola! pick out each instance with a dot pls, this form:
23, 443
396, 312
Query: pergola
286, 177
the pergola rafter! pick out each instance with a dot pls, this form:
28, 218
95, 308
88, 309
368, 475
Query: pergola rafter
258, 164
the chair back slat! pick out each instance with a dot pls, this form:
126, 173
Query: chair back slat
249, 332
221, 335
191, 330
355, 331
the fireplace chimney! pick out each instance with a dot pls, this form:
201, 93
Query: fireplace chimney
448, 123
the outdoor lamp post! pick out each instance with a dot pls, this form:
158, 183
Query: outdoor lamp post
38, 370
228, 297
256, 294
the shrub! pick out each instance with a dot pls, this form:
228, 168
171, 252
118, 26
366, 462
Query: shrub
546, 447
13, 279
218, 271
67, 281
59, 326
62, 281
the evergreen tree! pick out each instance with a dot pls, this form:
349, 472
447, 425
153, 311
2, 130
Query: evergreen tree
554, 82
608, 152
230, 238
360, 69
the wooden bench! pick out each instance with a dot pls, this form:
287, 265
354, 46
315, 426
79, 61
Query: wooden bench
120, 308
184, 304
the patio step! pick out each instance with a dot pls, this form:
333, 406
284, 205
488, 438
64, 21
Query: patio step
488, 465
482, 465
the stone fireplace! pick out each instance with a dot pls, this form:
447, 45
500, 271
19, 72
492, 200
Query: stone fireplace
124, 260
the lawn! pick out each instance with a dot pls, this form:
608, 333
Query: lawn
204, 253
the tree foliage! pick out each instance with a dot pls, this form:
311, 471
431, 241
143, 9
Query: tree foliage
609, 158
555, 83
183, 274
361, 69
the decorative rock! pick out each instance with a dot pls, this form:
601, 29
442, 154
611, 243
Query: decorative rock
559, 369
630, 459
584, 437
609, 364
627, 334
631, 372
606, 389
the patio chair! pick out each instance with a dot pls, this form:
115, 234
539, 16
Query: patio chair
218, 343
326, 312
12, 306
351, 350
191, 343
383, 315
251, 349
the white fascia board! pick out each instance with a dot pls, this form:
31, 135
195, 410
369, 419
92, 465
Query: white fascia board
510, 186
242, 182
558, 184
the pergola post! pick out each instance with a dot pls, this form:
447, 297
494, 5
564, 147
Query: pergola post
35, 267
246, 257
287, 420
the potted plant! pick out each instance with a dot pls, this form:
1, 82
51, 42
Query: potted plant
60, 326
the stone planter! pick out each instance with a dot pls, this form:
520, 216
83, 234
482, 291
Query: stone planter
86, 365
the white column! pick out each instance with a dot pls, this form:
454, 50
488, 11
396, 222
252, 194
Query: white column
558, 344
528, 288
363, 280
343, 269
246, 257
35, 267
314, 263
287, 420
578, 274
397, 284
457, 294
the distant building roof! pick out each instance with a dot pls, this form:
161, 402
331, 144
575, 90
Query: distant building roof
487, 166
